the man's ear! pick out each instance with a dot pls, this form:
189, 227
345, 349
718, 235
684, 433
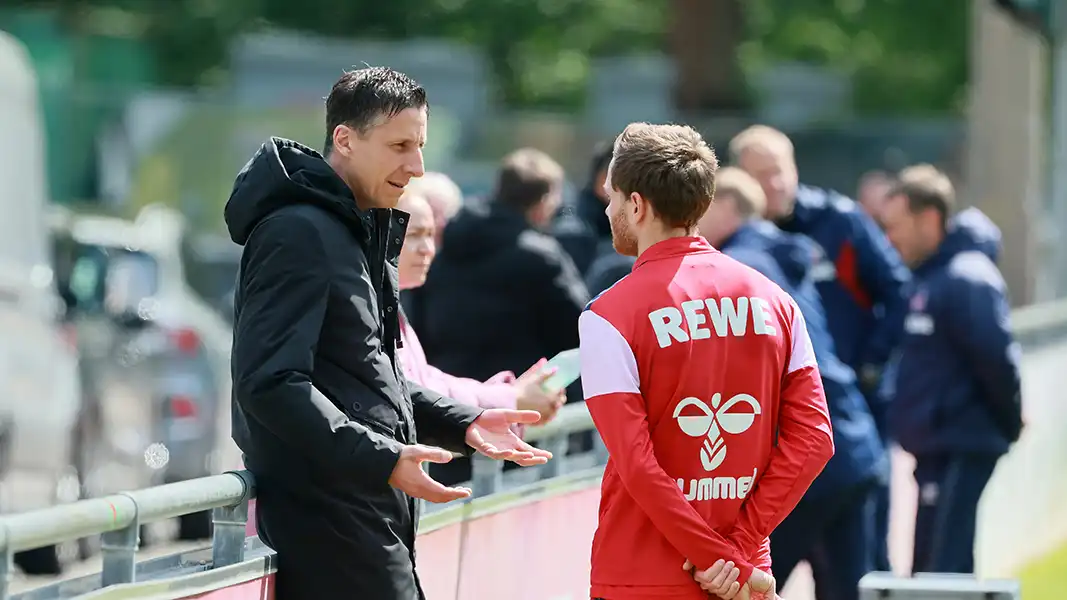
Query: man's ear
342, 140
638, 206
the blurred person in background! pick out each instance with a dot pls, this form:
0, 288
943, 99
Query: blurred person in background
325, 420
872, 191
503, 390
833, 526
444, 196
956, 395
584, 231
859, 276
502, 293
673, 373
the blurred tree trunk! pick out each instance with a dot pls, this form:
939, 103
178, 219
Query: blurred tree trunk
703, 39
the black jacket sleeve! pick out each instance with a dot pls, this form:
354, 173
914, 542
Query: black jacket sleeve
980, 329
441, 421
285, 284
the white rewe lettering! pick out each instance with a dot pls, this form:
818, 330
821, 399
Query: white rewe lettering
667, 323
728, 317
762, 317
726, 314
716, 488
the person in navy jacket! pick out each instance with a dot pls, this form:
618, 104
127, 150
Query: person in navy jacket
956, 394
833, 525
861, 280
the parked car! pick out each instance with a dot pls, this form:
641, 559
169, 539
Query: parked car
155, 357
40, 407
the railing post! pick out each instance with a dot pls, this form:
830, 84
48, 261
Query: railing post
119, 550
228, 533
7, 562
487, 475
557, 445
600, 451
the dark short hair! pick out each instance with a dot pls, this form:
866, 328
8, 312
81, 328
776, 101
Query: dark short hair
671, 166
925, 187
361, 98
601, 158
526, 176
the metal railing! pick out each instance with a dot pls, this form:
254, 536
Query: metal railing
118, 517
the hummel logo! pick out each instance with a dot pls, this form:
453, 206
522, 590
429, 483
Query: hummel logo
715, 417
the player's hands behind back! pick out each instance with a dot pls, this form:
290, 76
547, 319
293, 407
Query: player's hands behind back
720, 580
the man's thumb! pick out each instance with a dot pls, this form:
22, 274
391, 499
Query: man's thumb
429, 454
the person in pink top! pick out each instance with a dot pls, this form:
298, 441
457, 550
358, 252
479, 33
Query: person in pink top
503, 390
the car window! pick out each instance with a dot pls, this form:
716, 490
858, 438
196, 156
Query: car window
112, 280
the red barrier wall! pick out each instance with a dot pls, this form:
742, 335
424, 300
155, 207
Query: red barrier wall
482, 558
499, 549
258, 589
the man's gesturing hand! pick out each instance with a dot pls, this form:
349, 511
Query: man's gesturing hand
491, 435
408, 476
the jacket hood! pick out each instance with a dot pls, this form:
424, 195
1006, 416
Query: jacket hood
792, 252
969, 231
284, 172
480, 229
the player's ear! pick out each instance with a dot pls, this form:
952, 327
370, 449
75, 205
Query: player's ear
639, 207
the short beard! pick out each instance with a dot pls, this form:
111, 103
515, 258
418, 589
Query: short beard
622, 238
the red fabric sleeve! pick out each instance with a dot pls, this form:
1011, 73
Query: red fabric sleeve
805, 445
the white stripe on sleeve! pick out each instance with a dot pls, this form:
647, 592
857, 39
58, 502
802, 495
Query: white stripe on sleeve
608, 363
802, 355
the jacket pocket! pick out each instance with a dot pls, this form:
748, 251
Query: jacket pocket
379, 417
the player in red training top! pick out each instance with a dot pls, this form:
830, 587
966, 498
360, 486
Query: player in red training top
701, 379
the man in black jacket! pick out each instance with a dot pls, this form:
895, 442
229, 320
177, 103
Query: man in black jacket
321, 409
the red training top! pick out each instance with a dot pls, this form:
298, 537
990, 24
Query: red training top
701, 379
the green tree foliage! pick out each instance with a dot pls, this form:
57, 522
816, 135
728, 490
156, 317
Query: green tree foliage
905, 56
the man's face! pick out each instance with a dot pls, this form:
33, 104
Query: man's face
908, 232
776, 171
720, 221
418, 251
380, 163
623, 237
872, 197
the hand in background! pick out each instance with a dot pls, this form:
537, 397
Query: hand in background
533, 396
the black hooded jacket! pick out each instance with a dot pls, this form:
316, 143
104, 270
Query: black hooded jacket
501, 295
320, 408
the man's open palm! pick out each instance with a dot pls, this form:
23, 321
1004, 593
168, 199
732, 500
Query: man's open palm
409, 477
491, 435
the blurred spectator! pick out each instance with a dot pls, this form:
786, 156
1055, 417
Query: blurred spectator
859, 276
956, 398
445, 199
871, 192
833, 526
503, 390
444, 196
503, 294
585, 233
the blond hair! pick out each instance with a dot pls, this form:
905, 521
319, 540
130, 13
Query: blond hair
759, 136
440, 191
671, 166
925, 186
743, 189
